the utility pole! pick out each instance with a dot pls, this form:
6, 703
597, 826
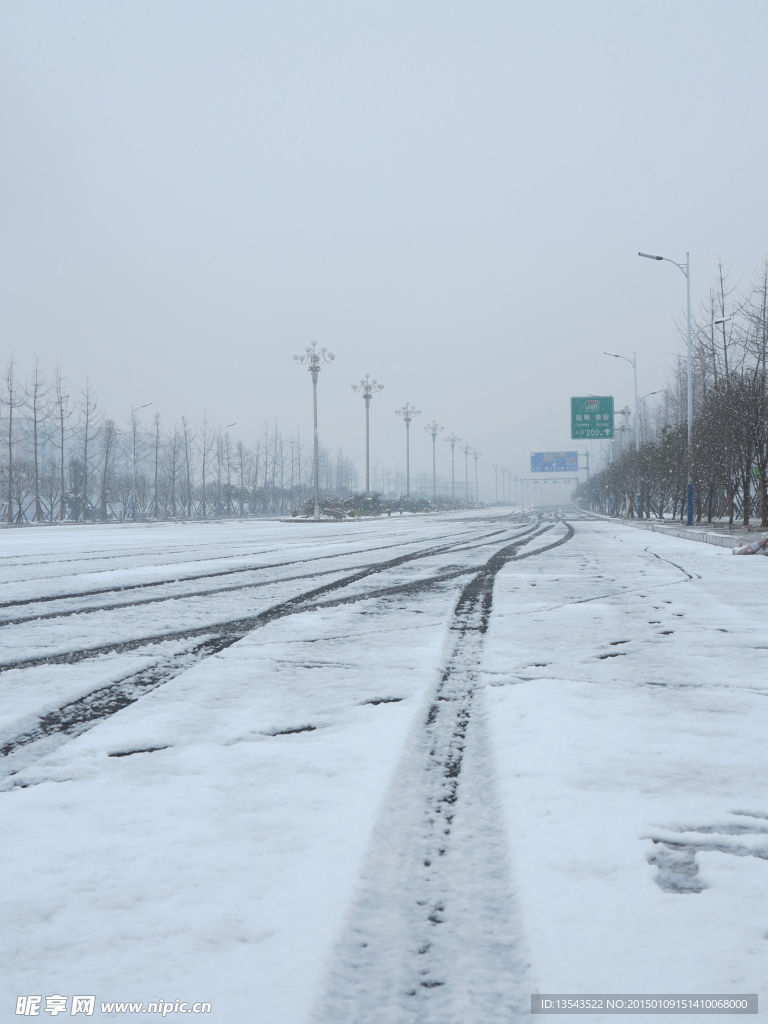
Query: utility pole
313, 360
434, 428
367, 388
408, 411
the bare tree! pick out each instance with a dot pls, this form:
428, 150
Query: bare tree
188, 440
63, 413
206, 444
228, 457
88, 427
36, 395
50, 486
241, 456
156, 424
108, 437
172, 454
10, 400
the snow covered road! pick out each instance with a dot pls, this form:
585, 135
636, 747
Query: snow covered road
411, 769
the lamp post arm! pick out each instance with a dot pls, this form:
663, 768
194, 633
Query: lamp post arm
715, 323
683, 267
617, 355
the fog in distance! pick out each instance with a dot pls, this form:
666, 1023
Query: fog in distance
450, 197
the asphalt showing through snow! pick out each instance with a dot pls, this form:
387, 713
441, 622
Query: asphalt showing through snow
174, 651
425, 894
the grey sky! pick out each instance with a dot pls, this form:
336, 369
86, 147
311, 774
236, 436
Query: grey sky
449, 196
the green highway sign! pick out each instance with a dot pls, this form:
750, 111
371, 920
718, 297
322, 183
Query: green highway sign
592, 417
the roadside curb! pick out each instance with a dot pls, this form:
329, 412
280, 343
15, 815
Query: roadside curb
718, 539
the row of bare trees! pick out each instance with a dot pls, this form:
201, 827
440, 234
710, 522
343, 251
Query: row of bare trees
64, 459
729, 464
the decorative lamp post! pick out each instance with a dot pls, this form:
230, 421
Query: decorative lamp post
452, 440
467, 449
408, 411
434, 428
367, 387
314, 360
476, 455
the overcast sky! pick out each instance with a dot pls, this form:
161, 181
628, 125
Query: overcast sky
450, 196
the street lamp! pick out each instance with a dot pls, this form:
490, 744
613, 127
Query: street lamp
476, 455
408, 412
633, 363
314, 360
452, 440
685, 268
657, 392
434, 428
466, 448
367, 387
496, 467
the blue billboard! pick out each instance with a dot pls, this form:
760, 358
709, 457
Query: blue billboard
554, 462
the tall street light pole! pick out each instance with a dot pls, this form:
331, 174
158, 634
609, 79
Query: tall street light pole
641, 400
452, 440
367, 388
466, 448
408, 412
314, 360
496, 468
476, 455
633, 363
434, 428
686, 269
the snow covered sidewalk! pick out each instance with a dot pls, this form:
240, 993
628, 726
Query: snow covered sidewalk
626, 699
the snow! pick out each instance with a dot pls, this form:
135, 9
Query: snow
267, 804
597, 755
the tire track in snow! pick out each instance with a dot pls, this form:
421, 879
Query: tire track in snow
245, 623
275, 581
433, 934
77, 716
191, 578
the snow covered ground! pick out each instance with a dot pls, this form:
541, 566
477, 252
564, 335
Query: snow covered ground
409, 769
